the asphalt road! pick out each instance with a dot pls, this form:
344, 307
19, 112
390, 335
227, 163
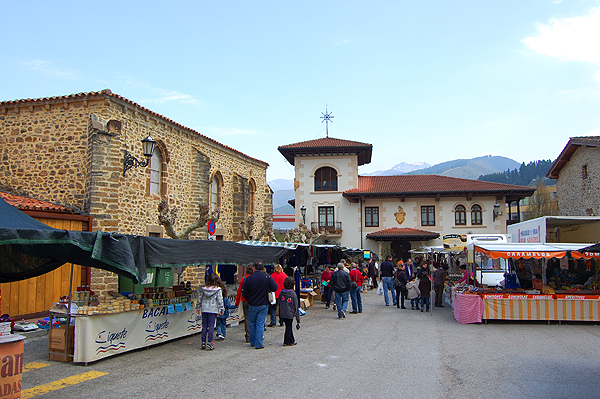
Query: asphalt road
383, 352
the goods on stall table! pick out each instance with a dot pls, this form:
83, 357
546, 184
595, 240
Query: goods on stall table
110, 304
87, 303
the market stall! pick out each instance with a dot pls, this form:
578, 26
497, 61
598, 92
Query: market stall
549, 282
117, 325
29, 248
103, 335
306, 262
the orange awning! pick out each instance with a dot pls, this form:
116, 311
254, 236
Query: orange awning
521, 254
533, 250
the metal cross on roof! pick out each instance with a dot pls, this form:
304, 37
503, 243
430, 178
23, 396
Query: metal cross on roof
327, 117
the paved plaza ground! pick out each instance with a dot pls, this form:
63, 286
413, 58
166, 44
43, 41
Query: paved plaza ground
383, 352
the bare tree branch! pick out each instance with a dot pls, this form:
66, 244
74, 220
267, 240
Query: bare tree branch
168, 217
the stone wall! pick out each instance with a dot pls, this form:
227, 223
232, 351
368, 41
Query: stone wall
579, 195
44, 149
240, 198
69, 150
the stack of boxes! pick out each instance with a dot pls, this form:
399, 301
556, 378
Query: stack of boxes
59, 344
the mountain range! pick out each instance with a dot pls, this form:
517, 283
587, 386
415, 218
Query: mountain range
399, 169
469, 168
283, 190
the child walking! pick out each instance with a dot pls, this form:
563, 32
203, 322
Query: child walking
413, 293
210, 302
288, 309
425, 288
222, 318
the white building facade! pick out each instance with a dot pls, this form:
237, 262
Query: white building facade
389, 214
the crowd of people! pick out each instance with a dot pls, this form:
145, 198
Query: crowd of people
253, 294
408, 280
413, 281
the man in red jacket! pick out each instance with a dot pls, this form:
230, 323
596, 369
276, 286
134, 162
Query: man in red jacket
357, 279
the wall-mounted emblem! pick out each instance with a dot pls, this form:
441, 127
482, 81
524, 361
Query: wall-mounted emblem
400, 215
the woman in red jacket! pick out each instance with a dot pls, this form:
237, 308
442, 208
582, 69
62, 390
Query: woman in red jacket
278, 276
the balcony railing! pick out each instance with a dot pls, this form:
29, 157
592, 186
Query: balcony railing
335, 227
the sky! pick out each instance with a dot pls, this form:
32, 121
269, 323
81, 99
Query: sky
422, 81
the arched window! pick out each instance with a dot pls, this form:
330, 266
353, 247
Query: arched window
156, 172
476, 215
215, 191
251, 196
460, 215
326, 179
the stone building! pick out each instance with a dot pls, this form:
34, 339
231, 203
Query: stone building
577, 174
69, 150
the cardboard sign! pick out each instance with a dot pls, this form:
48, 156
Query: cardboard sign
11, 369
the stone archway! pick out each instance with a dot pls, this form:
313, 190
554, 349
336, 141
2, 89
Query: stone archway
399, 249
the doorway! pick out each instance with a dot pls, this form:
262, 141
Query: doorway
400, 250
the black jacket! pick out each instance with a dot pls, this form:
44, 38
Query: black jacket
400, 280
340, 281
257, 287
386, 269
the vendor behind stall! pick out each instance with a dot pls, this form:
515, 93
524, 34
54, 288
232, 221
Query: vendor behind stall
524, 274
467, 277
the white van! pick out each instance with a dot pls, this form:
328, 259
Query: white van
492, 272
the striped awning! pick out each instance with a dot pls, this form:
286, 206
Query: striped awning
287, 245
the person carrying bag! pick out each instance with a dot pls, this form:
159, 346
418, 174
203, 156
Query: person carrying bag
400, 285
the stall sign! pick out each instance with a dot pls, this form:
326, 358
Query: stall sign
585, 255
103, 335
532, 235
367, 254
577, 296
522, 254
518, 296
11, 369
455, 242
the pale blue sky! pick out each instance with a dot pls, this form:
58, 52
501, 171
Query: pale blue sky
423, 81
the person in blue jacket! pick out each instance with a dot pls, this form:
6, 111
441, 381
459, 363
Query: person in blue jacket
222, 318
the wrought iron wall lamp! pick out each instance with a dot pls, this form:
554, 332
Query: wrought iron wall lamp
129, 161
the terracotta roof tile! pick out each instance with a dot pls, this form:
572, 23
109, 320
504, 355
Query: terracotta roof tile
405, 233
107, 92
327, 146
30, 204
430, 185
326, 142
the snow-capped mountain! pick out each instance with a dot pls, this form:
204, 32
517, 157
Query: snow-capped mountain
399, 169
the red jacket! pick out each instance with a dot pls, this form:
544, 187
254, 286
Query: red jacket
239, 295
356, 275
278, 278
